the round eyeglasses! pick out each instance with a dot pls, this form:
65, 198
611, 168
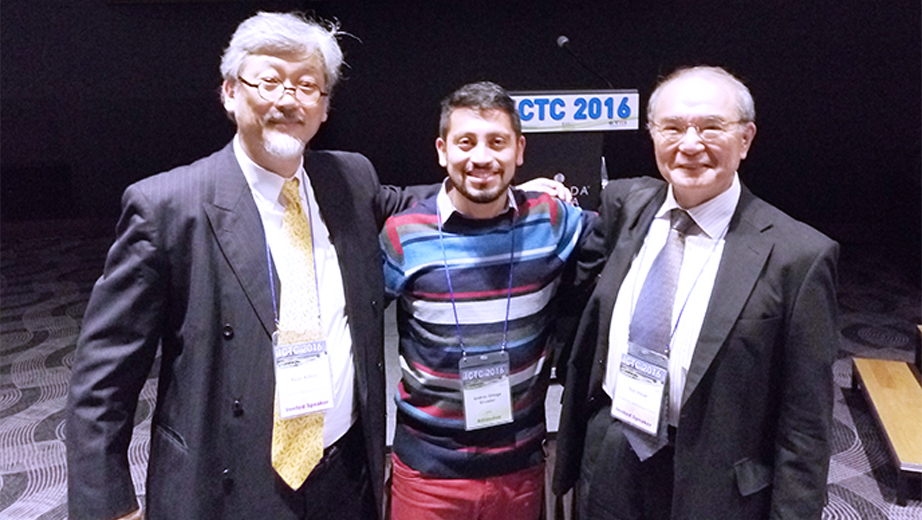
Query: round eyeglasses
273, 90
708, 132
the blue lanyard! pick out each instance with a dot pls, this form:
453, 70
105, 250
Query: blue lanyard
451, 291
275, 305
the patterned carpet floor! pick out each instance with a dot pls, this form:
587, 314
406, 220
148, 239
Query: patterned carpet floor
45, 285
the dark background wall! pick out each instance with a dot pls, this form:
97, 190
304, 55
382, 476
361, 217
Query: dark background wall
98, 94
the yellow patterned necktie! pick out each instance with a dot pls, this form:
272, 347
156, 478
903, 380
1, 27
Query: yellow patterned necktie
297, 443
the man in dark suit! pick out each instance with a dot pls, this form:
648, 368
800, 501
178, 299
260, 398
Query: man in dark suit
200, 268
728, 413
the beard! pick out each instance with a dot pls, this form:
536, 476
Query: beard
283, 146
481, 196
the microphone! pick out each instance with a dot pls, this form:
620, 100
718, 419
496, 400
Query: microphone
564, 43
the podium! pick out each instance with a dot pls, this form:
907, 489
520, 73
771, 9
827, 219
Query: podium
565, 134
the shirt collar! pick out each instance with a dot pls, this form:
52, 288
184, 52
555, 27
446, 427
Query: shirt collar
446, 207
712, 216
267, 184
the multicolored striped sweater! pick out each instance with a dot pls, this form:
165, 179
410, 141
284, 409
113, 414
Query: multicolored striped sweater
536, 237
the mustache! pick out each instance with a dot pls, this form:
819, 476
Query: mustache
492, 167
277, 116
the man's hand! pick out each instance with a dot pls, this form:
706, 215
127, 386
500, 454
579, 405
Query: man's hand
549, 186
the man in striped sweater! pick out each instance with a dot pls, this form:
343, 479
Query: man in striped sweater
476, 270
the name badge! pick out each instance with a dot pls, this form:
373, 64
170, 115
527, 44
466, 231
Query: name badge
486, 388
638, 398
303, 378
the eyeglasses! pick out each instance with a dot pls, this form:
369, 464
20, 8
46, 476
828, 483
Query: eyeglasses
708, 132
272, 90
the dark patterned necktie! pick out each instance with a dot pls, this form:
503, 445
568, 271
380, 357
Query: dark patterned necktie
651, 324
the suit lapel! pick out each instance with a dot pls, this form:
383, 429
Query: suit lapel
337, 207
337, 204
744, 256
332, 198
238, 230
638, 212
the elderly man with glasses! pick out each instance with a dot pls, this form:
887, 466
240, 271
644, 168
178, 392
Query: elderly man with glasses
252, 271
700, 381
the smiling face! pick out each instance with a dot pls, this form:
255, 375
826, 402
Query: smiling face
480, 151
274, 134
700, 171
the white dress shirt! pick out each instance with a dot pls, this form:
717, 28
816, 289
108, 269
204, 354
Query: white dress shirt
703, 252
267, 193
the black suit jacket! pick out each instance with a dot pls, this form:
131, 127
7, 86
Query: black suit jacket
189, 272
755, 425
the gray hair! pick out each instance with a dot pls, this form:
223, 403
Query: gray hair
744, 103
480, 96
284, 33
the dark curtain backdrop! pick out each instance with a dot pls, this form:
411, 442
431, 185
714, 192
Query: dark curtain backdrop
97, 94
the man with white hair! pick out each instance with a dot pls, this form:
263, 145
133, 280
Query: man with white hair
253, 270
700, 381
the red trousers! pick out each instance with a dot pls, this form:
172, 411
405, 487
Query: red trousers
516, 496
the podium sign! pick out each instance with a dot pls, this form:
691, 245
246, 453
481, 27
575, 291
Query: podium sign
566, 141
578, 111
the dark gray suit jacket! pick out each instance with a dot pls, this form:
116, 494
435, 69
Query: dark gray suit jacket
189, 272
755, 426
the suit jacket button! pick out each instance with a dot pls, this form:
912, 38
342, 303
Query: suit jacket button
227, 480
238, 408
228, 331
